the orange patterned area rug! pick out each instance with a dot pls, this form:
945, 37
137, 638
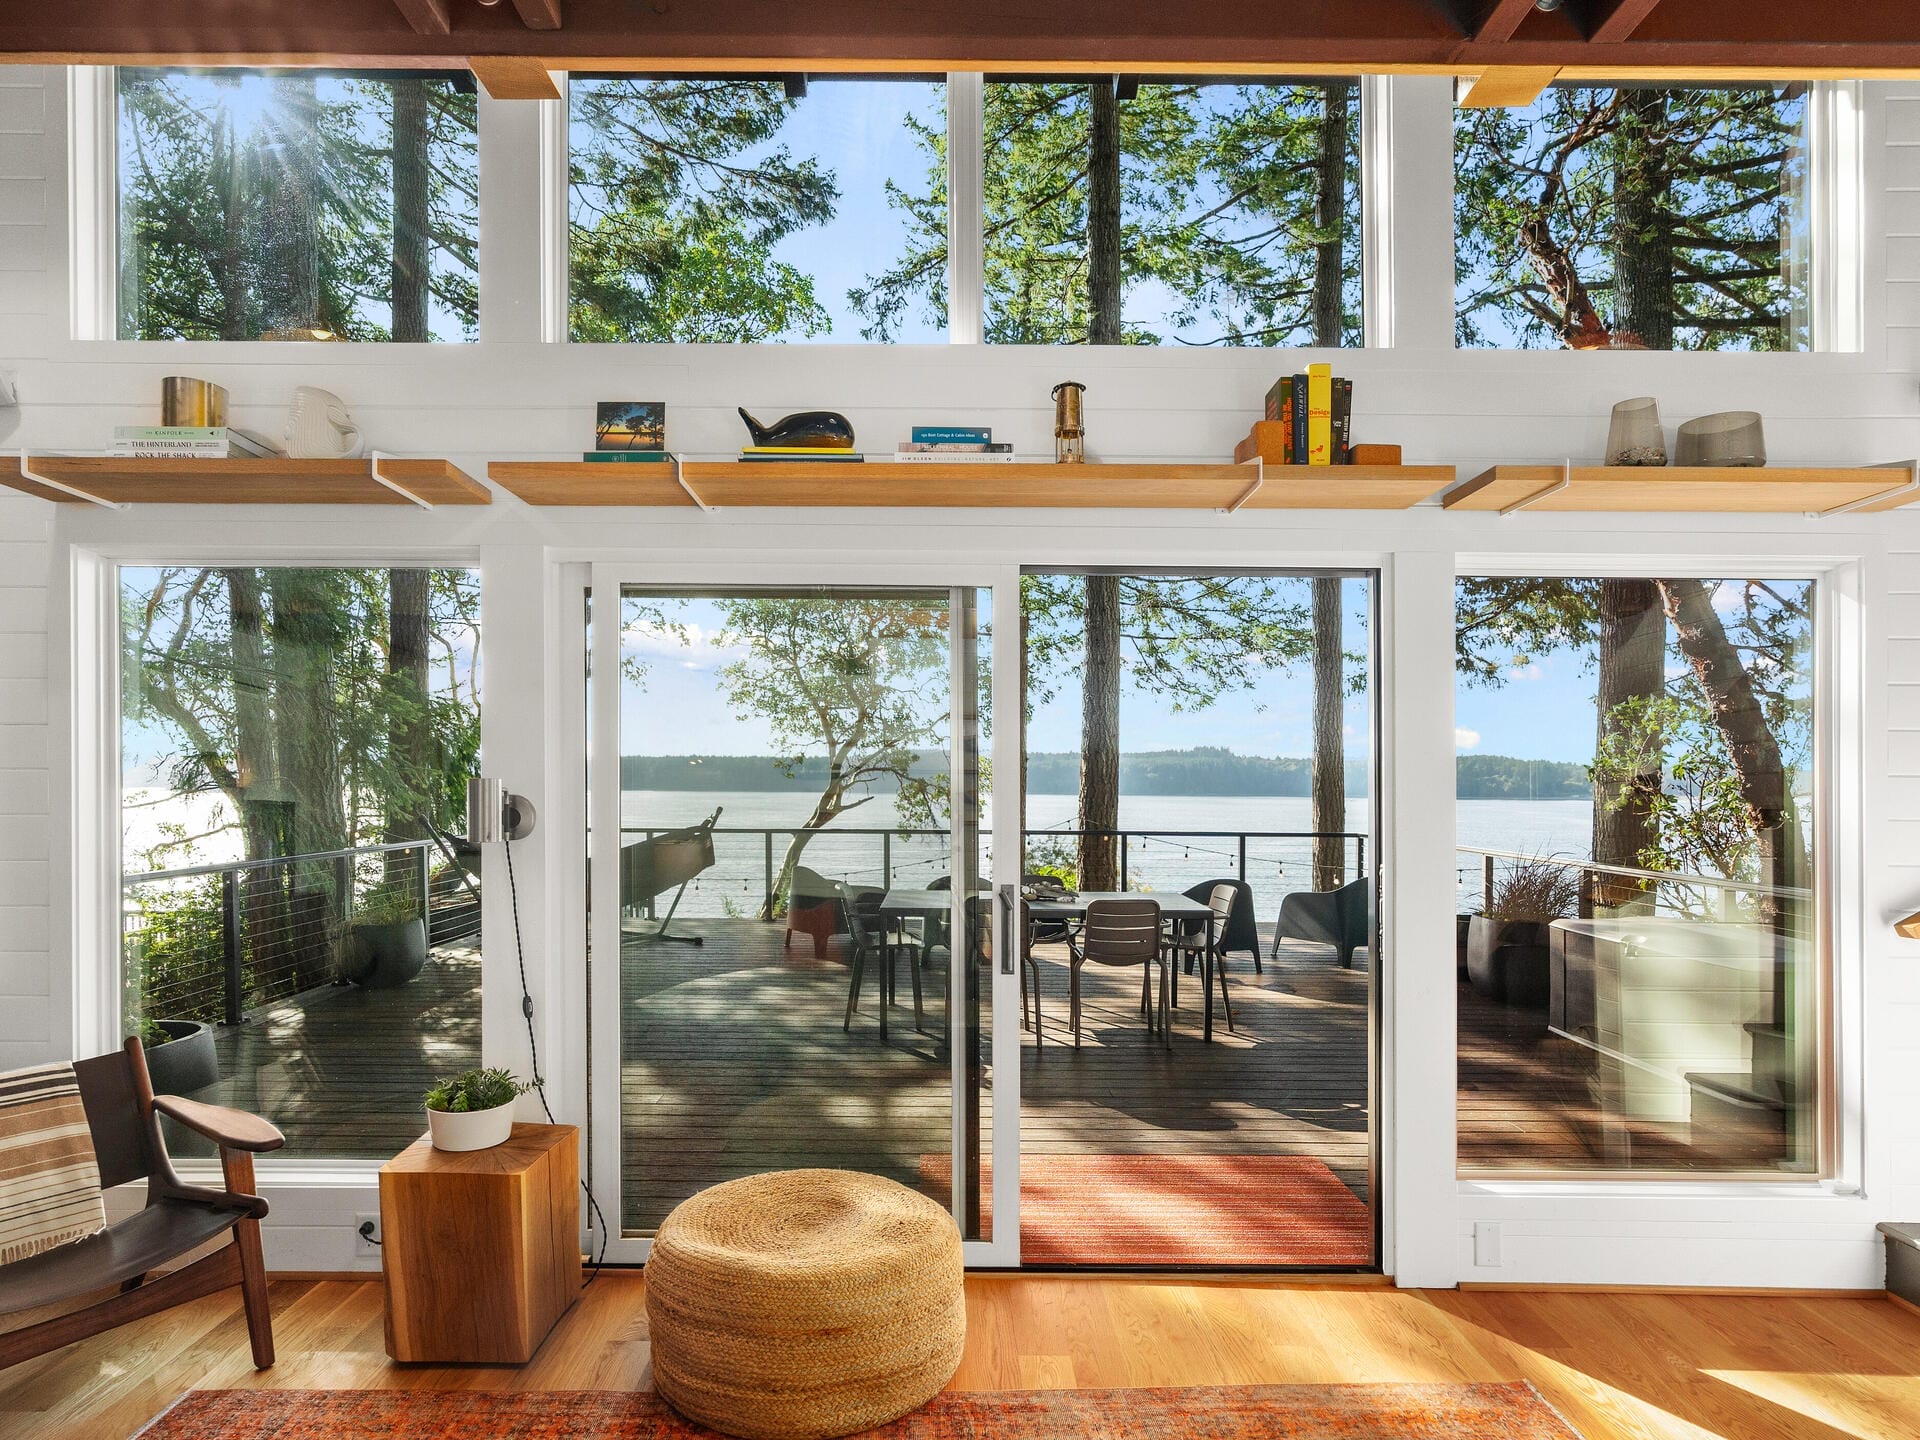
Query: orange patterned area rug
1175, 1210
1250, 1412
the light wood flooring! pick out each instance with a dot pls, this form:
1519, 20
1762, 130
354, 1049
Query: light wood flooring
1619, 1366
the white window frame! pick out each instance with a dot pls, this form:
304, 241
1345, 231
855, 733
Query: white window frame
1839, 711
1837, 237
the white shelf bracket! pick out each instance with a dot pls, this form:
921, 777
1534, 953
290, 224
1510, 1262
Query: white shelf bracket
374, 457
1259, 463
1565, 480
680, 478
1908, 486
27, 472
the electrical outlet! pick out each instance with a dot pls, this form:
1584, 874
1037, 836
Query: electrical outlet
362, 1243
1486, 1242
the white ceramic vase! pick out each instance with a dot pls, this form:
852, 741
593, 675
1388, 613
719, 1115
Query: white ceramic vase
470, 1129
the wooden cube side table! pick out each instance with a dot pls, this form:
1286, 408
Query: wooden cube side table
480, 1249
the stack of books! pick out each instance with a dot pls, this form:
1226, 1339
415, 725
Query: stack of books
839, 455
1315, 413
188, 442
949, 444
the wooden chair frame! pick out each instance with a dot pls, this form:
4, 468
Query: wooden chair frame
240, 1262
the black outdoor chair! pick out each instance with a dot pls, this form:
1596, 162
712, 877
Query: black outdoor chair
878, 940
1189, 941
1242, 930
121, 1260
1341, 918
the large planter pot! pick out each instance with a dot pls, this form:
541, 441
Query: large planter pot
1511, 960
470, 1129
187, 1062
381, 956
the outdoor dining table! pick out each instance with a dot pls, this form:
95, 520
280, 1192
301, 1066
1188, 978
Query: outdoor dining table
1176, 908
905, 904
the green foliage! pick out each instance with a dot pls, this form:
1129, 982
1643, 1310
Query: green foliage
251, 202
476, 1090
1218, 226
387, 905
169, 955
1188, 639
1501, 777
1720, 172
1504, 623
680, 190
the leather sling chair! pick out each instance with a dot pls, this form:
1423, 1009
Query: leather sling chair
123, 1114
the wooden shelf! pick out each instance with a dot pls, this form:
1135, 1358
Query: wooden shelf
727, 483
122, 480
1722, 490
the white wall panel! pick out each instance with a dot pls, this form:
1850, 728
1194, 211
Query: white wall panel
509, 396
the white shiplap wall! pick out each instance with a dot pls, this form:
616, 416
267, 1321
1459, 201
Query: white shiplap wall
508, 397
27, 1025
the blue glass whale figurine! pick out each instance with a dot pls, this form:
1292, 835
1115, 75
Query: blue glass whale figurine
810, 429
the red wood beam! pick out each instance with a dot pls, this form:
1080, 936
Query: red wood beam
1501, 22
1611, 21
539, 14
427, 17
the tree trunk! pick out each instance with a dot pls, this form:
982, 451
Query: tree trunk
1100, 736
1103, 215
413, 800
410, 220
1642, 227
306, 629
293, 229
1758, 768
1329, 738
1632, 666
1329, 661
258, 799
235, 251
1329, 220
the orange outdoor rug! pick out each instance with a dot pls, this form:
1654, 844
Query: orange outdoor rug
1176, 1210
1251, 1412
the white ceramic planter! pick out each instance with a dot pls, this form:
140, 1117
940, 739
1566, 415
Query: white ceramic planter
470, 1129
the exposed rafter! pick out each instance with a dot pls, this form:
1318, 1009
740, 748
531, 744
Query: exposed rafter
427, 17
514, 77
1611, 21
539, 14
1500, 22
1508, 85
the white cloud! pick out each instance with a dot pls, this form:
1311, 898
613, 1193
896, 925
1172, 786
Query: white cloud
1525, 672
1465, 739
688, 643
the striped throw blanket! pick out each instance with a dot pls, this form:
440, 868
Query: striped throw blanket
49, 1183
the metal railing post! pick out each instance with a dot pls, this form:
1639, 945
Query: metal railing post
1486, 882
886, 860
1359, 855
1123, 860
230, 945
1243, 859
767, 839
426, 892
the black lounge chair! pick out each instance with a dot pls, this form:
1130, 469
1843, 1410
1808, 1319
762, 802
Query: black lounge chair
1341, 918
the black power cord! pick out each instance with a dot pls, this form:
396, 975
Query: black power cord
533, 1053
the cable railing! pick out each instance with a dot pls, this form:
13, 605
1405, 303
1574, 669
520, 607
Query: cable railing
1722, 889
749, 860
212, 942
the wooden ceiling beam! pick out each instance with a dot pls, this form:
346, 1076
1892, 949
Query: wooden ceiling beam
514, 77
1611, 21
1508, 86
539, 14
427, 17
1501, 21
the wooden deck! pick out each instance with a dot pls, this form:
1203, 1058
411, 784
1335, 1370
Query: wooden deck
735, 1061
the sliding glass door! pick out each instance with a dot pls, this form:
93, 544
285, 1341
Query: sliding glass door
793, 964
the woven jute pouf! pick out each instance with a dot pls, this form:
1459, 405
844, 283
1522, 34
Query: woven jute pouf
804, 1304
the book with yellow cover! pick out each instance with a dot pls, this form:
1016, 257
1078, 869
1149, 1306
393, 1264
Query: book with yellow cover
1319, 414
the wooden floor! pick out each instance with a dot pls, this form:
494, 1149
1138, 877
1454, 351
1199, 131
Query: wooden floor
1620, 1367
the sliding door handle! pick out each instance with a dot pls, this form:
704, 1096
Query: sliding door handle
1009, 903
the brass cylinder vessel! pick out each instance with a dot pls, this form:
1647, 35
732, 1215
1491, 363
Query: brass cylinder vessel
1069, 428
187, 401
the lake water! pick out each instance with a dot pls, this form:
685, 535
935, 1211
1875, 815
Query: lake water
1161, 861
